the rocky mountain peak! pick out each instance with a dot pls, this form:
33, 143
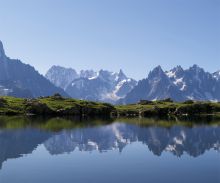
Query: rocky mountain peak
196, 68
61, 76
178, 68
156, 73
121, 75
2, 51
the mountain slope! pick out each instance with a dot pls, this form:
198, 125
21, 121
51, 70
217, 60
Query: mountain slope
179, 84
17, 76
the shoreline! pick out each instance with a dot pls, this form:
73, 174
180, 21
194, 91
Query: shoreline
58, 106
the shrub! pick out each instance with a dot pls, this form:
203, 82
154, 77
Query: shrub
57, 96
167, 100
145, 102
2, 102
189, 102
36, 107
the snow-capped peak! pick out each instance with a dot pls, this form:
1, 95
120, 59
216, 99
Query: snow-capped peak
196, 68
121, 75
156, 72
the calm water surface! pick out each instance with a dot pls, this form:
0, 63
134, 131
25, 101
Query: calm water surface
61, 150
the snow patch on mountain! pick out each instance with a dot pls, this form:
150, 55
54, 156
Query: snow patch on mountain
216, 75
4, 91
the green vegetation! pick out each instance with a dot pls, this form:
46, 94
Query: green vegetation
54, 105
168, 108
59, 106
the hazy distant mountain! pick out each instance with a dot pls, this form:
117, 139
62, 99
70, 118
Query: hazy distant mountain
179, 84
90, 85
22, 80
60, 76
104, 86
87, 74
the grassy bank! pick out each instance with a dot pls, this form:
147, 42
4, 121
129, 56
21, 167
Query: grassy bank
59, 106
54, 105
169, 108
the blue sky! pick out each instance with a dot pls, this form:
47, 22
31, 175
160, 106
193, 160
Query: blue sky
135, 35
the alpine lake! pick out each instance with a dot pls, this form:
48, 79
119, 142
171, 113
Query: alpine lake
126, 150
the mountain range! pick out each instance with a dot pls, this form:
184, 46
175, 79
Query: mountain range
103, 85
178, 84
22, 80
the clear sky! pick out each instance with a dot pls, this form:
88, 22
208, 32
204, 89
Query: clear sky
135, 35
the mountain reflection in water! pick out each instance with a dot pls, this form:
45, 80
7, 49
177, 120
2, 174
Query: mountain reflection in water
17, 140
177, 139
